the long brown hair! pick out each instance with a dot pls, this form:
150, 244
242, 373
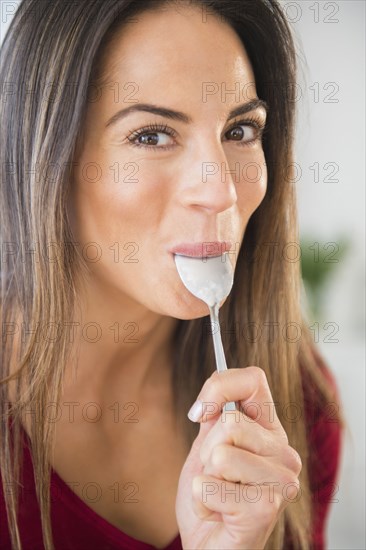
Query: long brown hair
50, 56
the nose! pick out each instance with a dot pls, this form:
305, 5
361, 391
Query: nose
209, 182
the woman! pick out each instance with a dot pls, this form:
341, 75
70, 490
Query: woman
134, 130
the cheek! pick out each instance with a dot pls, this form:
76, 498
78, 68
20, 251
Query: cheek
253, 183
120, 198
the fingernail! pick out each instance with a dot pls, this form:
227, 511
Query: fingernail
196, 411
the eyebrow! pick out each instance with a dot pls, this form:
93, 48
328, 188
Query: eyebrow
182, 117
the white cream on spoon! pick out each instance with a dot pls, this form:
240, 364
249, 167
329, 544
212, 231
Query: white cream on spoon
210, 279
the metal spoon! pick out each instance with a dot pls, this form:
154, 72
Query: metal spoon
211, 280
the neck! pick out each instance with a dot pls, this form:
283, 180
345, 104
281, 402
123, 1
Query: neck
120, 348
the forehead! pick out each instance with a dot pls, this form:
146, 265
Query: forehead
170, 50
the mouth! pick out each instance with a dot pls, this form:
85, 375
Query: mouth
207, 249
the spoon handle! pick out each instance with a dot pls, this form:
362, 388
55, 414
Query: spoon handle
219, 350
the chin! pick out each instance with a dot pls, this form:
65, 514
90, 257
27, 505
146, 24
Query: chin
188, 309
189, 317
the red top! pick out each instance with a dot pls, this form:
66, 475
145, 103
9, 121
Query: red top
78, 527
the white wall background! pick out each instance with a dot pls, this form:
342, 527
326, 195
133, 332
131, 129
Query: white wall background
331, 129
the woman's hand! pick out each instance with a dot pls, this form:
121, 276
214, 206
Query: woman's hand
241, 472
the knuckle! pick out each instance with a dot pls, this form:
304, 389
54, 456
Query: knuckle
259, 374
219, 455
296, 460
292, 459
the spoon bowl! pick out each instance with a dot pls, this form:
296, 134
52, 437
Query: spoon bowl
209, 279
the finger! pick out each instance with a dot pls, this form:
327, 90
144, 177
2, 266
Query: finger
238, 430
232, 464
249, 387
211, 495
252, 437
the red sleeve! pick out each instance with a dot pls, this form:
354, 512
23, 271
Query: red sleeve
324, 437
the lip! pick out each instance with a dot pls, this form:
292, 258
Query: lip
203, 249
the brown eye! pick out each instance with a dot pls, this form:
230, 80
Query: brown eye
238, 133
148, 139
153, 137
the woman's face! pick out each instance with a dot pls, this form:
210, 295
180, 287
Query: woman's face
147, 181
